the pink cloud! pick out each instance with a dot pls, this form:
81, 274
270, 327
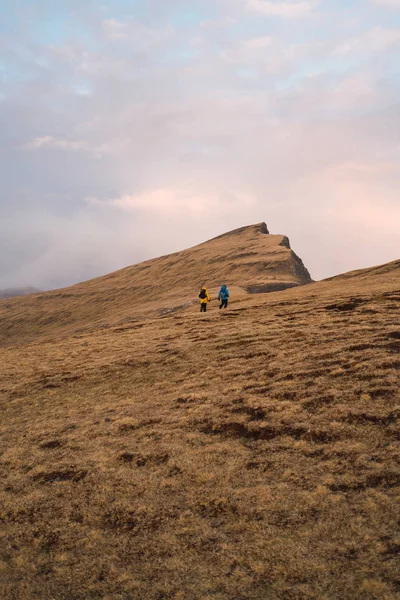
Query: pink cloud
387, 3
49, 141
175, 200
282, 8
115, 30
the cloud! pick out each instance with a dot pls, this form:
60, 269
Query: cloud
49, 141
373, 41
387, 3
286, 9
172, 202
258, 43
149, 131
136, 34
115, 30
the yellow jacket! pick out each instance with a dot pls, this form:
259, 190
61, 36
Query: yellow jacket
207, 297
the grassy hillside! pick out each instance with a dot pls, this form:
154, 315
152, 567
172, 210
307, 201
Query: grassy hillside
248, 258
250, 454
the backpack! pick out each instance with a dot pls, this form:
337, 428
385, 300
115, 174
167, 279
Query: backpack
202, 294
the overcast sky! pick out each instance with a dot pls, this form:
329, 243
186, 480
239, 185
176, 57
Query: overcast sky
134, 128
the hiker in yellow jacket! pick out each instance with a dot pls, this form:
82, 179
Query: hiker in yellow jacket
204, 298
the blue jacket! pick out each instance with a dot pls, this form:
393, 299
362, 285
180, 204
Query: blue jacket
223, 293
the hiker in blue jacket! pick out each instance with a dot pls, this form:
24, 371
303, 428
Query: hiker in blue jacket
223, 297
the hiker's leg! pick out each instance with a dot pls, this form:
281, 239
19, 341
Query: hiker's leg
225, 303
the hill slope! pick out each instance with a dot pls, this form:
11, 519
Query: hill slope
250, 454
248, 259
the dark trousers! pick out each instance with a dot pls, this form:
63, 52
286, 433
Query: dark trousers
224, 303
203, 307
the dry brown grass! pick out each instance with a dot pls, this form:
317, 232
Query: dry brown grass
248, 455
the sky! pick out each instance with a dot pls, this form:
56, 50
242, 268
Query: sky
135, 128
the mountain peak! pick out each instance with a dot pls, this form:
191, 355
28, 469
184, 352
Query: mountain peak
263, 228
257, 228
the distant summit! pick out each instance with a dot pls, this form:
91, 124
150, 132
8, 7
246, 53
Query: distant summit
18, 291
259, 228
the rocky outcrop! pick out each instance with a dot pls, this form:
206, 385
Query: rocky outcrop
266, 288
299, 269
285, 242
290, 272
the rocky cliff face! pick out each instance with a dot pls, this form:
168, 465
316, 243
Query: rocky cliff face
291, 267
